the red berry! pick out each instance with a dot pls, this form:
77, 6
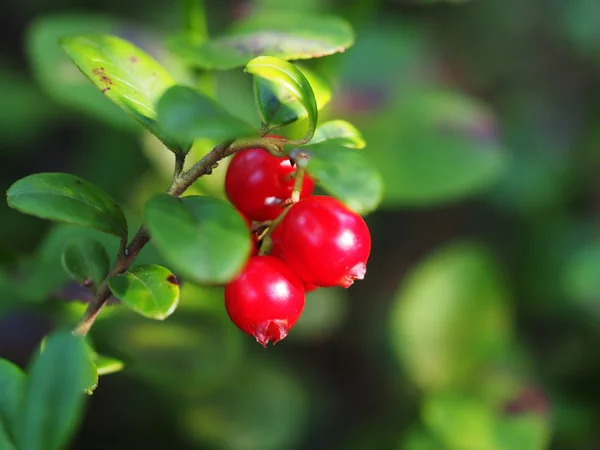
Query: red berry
325, 243
277, 252
265, 300
257, 183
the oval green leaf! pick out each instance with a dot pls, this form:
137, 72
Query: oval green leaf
340, 132
435, 146
67, 198
12, 389
285, 36
57, 75
346, 174
187, 114
86, 261
54, 398
449, 315
125, 74
203, 238
150, 290
288, 77
278, 106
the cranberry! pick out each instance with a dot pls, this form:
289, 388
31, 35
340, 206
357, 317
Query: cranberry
278, 253
265, 300
325, 243
257, 183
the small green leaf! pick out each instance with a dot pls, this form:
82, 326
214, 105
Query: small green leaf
149, 290
341, 132
106, 365
187, 114
12, 389
203, 238
54, 398
288, 77
347, 175
286, 36
86, 261
67, 198
125, 74
450, 316
57, 75
278, 106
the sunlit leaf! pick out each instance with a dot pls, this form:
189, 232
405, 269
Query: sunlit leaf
341, 132
125, 74
149, 290
289, 77
286, 36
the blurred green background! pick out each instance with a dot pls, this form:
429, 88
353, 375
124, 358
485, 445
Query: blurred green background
477, 325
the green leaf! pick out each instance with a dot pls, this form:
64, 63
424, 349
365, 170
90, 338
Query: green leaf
12, 389
286, 36
56, 73
279, 106
449, 414
435, 146
450, 315
188, 114
149, 290
347, 175
288, 77
67, 198
341, 132
203, 238
125, 74
105, 365
86, 261
54, 398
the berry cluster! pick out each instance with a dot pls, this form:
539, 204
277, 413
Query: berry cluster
317, 242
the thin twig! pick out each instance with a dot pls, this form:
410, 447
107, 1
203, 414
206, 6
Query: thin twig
181, 182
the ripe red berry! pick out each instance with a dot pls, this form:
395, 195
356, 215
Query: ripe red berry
277, 252
325, 243
257, 183
265, 300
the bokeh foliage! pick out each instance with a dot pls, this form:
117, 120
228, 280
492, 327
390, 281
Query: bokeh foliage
477, 324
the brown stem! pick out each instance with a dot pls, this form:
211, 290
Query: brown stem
181, 182
124, 260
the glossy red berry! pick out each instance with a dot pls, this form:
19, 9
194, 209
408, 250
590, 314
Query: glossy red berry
265, 300
325, 243
277, 252
257, 183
